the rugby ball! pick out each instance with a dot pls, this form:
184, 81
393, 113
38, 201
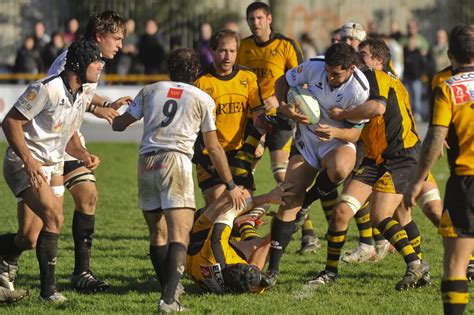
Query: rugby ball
306, 102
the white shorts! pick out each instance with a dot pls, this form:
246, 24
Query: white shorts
165, 180
18, 179
314, 152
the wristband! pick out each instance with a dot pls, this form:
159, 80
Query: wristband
106, 104
91, 108
230, 185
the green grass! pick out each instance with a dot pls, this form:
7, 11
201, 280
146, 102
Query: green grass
121, 247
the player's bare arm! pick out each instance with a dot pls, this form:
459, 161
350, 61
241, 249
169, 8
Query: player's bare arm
430, 152
367, 110
219, 160
75, 148
12, 127
327, 133
121, 122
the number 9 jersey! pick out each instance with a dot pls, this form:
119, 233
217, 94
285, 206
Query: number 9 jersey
173, 113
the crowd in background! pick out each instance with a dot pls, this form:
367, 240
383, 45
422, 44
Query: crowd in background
415, 58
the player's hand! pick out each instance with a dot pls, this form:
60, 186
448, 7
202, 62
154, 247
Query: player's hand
411, 193
34, 170
278, 193
91, 161
125, 100
107, 113
237, 198
445, 145
336, 113
290, 111
270, 103
325, 133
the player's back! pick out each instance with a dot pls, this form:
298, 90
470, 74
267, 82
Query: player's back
173, 115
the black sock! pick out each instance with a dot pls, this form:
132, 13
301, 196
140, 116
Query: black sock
322, 186
82, 231
158, 258
8, 249
281, 235
175, 264
414, 237
46, 253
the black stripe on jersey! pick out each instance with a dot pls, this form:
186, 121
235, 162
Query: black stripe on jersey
374, 92
360, 81
454, 148
299, 53
317, 59
196, 241
48, 79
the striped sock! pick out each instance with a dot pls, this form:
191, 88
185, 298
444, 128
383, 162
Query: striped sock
397, 236
336, 240
455, 295
362, 218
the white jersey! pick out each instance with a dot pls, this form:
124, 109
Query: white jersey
353, 92
89, 89
54, 115
173, 113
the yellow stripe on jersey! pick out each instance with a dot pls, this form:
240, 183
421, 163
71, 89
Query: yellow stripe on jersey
235, 95
269, 60
453, 107
382, 135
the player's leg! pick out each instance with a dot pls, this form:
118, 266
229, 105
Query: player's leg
300, 174
351, 199
80, 181
454, 285
158, 235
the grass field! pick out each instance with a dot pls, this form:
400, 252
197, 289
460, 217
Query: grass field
121, 247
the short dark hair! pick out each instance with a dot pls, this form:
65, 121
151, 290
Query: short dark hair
257, 6
379, 49
184, 65
221, 34
461, 43
341, 54
104, 22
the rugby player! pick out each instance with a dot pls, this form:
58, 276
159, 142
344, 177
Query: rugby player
390, 158
453, 114
326, 148
40, 128
174, 112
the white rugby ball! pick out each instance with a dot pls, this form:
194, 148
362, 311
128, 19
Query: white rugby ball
306, 102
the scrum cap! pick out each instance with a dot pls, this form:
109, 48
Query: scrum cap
80, 55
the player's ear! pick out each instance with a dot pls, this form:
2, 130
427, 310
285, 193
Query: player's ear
269, 16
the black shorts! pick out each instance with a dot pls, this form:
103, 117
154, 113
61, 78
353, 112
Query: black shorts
458, 214
390, 176
278, 139
208, 177
70, 166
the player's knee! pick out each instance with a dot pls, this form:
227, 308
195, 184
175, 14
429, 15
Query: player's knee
339, 173
426, 199
346, 206
341, 213
86, 201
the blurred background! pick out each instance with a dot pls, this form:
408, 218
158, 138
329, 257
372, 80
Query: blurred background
34, 32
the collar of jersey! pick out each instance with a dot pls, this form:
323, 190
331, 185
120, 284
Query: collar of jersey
230, 76
463, 69
273, 36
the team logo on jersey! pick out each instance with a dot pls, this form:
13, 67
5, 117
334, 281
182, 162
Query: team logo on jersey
274, 52
209, 90
299, 69
339, 97
244, 82
175, 93
62, 102
31, 95
319, 85
461, 94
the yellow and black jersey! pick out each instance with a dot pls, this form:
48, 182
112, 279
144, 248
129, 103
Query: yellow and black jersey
235, 96
209, 251
393, 133
441, 76
453, 107
269, 60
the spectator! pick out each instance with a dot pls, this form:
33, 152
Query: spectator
151, 51
41, 38
308, 47
233, 26
440, 50
414, 67
53, 49
202, 45
126, 59
395, 32
372, 29
28, 58
396, 52
71, 31
412, 33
